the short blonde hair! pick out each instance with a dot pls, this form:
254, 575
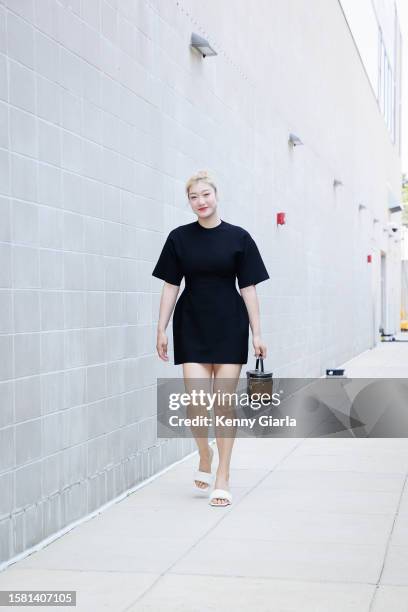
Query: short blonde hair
202, 175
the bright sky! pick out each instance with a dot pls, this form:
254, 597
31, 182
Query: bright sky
402, 8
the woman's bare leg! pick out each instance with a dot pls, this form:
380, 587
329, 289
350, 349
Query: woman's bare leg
198, 376
225, 381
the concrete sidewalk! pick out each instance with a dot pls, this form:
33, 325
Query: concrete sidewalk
315, 525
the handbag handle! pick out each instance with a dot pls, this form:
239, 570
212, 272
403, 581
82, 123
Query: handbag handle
257, 362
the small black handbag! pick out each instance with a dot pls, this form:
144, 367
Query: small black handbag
260, 383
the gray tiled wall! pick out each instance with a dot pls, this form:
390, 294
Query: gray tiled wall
77, 320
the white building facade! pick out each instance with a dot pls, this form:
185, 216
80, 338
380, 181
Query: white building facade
105, 112
375, 27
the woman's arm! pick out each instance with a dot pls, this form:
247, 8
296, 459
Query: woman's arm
167, 302
250, 298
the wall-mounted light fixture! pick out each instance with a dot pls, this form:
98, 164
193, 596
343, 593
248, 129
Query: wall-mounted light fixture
294, 140
337, 183
202, 45
394, 208
394, 201
393, 227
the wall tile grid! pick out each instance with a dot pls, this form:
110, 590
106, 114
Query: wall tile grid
77, 325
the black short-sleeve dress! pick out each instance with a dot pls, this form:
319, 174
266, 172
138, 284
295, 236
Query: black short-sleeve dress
210, 320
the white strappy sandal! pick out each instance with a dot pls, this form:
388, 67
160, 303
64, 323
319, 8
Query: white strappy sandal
223, 494
206, 477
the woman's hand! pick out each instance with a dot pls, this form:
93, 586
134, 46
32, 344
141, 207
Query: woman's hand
259, 347
161, 345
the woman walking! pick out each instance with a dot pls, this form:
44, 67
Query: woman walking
211, 319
